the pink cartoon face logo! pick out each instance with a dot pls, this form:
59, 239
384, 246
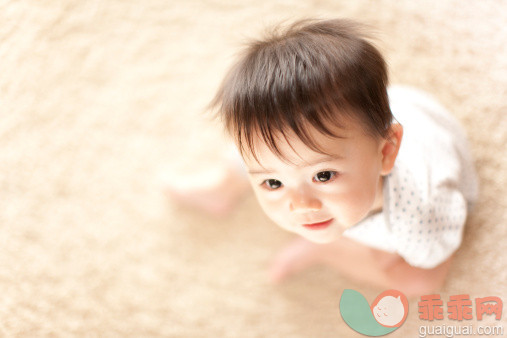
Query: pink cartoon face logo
390, 308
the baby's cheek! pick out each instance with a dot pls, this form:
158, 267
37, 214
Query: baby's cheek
263, 200
275, 211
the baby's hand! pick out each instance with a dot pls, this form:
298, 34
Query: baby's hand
297, 256
215, 191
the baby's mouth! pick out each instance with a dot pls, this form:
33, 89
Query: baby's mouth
319, 225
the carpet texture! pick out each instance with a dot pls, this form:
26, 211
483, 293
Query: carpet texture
100, 99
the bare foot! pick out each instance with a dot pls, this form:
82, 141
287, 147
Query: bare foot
214, 191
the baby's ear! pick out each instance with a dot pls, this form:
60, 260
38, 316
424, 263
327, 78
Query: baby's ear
391, 147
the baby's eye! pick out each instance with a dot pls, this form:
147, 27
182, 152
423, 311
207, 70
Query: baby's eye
325, 176
272, 184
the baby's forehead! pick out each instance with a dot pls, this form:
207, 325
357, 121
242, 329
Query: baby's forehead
285, 142
294, 153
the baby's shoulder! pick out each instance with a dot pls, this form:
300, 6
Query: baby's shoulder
434, 145
425, 221
414, 202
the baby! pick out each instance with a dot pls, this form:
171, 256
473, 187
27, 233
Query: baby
381, 199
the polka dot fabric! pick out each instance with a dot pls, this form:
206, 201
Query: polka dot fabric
428, 193
427, 228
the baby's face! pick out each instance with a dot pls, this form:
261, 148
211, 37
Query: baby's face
320, 196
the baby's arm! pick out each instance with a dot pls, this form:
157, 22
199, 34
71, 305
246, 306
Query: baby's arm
360, 263
386, 270
413, 281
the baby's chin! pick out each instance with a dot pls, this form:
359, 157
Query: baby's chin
322, 238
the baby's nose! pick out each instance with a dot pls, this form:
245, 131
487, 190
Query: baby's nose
302, 202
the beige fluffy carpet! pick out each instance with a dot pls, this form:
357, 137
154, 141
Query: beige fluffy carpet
100, 99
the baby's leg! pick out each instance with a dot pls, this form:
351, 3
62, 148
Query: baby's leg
214, 190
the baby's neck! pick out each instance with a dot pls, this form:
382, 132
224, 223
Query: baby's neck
379, 198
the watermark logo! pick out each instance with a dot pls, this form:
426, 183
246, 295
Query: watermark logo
387, 312
460, 309
390, 309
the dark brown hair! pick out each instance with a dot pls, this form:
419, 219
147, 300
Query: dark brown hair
310, 74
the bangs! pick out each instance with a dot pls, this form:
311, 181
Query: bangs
282, 124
